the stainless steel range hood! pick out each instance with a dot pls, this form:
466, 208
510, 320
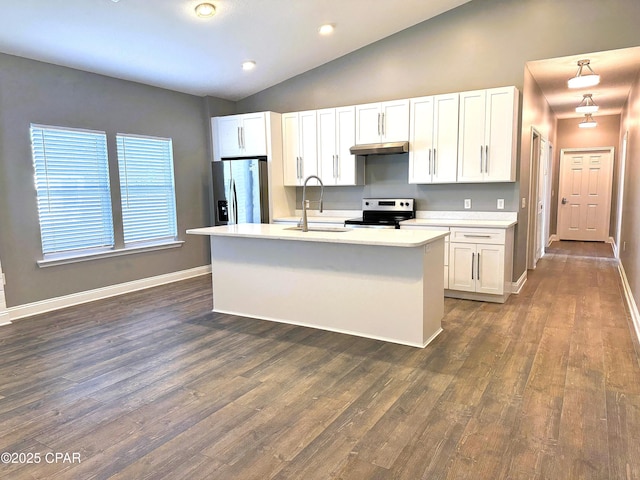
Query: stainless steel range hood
380, 148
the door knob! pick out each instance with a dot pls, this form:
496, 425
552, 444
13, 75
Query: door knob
564, 201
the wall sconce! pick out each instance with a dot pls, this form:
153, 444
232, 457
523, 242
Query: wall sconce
582, 81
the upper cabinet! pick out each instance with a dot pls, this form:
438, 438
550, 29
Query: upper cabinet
336, 134
240, 135
299, 147
487, 135
382, 122
433, 140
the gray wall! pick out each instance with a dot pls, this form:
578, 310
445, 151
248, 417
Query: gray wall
482, 44
35, 92
630, 256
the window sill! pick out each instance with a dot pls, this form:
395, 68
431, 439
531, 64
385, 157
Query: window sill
64, 259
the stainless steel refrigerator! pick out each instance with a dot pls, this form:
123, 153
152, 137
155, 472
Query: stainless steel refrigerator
240, 191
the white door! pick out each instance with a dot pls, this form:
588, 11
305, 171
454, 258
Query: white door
326, 122
540, 201
499, 128
462, 261
368, 123
228, 135
290, 156
421, 138
254, 134
585, 194
490, 269
308, 144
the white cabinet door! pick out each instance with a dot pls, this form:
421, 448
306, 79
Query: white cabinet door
490, 269
445, 138
462, 258
368, 128
299, 148
336, 135
290, 157
346, 163
240, 135
471, 144
487, 134
227, 136
382, 122
434, 139
395, 121
476, 268
421, 140
500, 125
254, 134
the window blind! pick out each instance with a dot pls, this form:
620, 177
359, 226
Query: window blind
72, 186
147, 188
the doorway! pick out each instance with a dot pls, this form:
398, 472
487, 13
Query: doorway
584, 194
539, 201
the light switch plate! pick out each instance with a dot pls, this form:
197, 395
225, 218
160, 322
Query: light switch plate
467, 203
501, 204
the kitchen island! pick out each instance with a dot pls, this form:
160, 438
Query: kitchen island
381, 284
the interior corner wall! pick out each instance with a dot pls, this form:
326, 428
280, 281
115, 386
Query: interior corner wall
37, 92
630, 246
481, 44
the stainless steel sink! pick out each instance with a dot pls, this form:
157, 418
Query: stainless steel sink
321, 229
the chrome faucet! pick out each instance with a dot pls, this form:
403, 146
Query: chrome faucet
305, 203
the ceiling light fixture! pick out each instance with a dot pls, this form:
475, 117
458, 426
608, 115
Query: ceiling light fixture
205, 10
587, 105
326, 29
248, 65
582, 81
588, 122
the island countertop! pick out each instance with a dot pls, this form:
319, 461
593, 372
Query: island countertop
357, 236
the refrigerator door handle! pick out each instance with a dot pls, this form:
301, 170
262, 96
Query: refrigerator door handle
235, 202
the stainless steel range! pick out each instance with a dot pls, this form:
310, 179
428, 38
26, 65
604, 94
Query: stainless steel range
383, 213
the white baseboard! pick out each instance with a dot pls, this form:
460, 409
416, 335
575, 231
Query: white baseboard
43, 306
553, 238
633, 306
516, 287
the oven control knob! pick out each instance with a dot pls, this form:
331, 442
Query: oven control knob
366, 203
402, 204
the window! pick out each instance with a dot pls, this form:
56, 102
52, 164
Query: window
72, 186
147, 188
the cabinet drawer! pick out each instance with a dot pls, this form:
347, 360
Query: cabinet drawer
478, 235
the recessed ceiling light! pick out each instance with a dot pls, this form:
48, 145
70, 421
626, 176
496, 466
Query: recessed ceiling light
248, 65
205, 10
326, 29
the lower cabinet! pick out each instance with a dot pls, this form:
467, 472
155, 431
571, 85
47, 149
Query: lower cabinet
480, 263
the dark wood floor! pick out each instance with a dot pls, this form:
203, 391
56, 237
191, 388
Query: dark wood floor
153, 385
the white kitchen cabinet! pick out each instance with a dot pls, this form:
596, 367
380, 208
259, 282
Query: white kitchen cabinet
335, 136
299, 147
433, 139
480, 262
240, 135
382, 122
487, 135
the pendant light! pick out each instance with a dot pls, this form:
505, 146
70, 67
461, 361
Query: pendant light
588, 122
587, 105
586, 80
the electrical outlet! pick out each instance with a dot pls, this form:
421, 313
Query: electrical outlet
467, 203
501, 204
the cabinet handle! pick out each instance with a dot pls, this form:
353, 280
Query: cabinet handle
486, 159
383, 129
335, 166
434, 162
379, 124
473, 256
242, 137
239, 142
298, 168
469, 235
481, 159
429, 161
478, 269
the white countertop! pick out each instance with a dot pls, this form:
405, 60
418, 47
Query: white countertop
423, 218
362, 236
